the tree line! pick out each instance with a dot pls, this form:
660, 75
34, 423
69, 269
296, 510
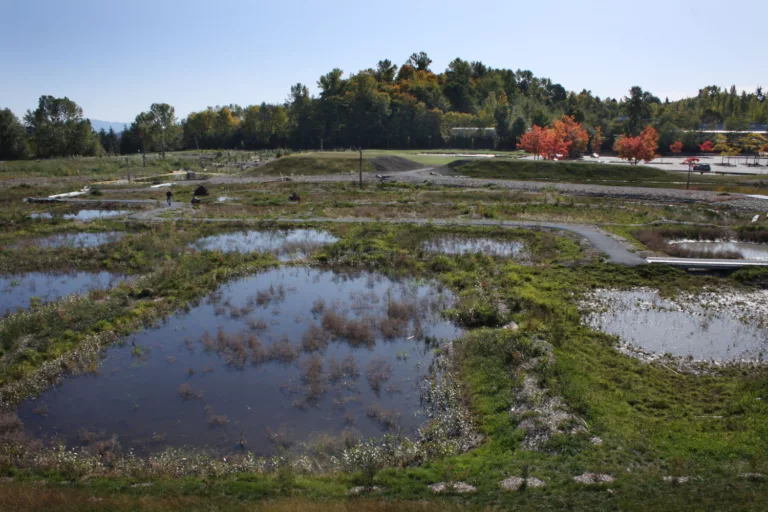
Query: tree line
469, 105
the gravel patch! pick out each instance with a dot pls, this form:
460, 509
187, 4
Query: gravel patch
676, 479
514, 483
593, 479
457, 487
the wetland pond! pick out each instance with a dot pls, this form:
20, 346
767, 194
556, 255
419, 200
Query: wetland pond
285, 244
724, 250
71, 240
17, 291
280, 358
710, 326
461, 244
82, 215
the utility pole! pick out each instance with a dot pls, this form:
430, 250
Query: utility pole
361, 168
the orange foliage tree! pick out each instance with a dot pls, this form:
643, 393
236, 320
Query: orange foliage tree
571, 133
530, 142
676, 147
707, 147
553, 144
565, 137
643, 147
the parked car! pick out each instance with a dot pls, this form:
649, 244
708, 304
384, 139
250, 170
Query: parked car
702, 167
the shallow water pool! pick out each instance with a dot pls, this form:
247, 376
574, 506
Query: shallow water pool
286, 244
17, 291
275, 359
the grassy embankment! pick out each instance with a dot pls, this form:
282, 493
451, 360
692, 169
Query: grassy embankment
602, 174
653, 422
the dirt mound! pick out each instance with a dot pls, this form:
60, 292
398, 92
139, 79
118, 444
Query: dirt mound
384, 164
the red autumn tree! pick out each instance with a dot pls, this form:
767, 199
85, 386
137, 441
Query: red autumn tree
571, 133
530, 142
707, 147
597, 140
643, 147
676, 147
553, 143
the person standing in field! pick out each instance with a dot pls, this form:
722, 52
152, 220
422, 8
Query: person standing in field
168, 196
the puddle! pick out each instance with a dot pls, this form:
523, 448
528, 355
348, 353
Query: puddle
466, 245
72, 240
726, 250
280, 358
287, 245
16, 291
83, 215
709, 326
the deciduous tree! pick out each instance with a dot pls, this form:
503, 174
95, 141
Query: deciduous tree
13, 137
643, 147
597, 140
676, 147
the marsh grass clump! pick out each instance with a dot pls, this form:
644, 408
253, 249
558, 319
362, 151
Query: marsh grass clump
280, 438
258, 325
282, 351
387, 418
313, 377
359, 332
391, 328
215, 420
187, 393
314, 339
318, 307
334, 324
377, 372
399, 310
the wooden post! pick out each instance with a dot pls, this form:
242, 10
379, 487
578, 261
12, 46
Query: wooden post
361, 168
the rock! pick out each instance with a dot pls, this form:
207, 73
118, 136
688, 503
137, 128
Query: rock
593, 479
294, 197
676, 479
361, 489
512, 326
514, 483
752, 476
596, 441
458, 487
142, 484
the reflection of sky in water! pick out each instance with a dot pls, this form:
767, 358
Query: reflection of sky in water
17, 290
81, 215
465, 245
296, 242
748, 251
645, 320
75, 240
139, 399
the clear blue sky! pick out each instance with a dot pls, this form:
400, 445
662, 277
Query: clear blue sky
115, 58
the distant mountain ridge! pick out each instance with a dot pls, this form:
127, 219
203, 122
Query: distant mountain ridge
98, 125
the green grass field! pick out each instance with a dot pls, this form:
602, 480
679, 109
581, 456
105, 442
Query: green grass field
598, 174
312, 164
